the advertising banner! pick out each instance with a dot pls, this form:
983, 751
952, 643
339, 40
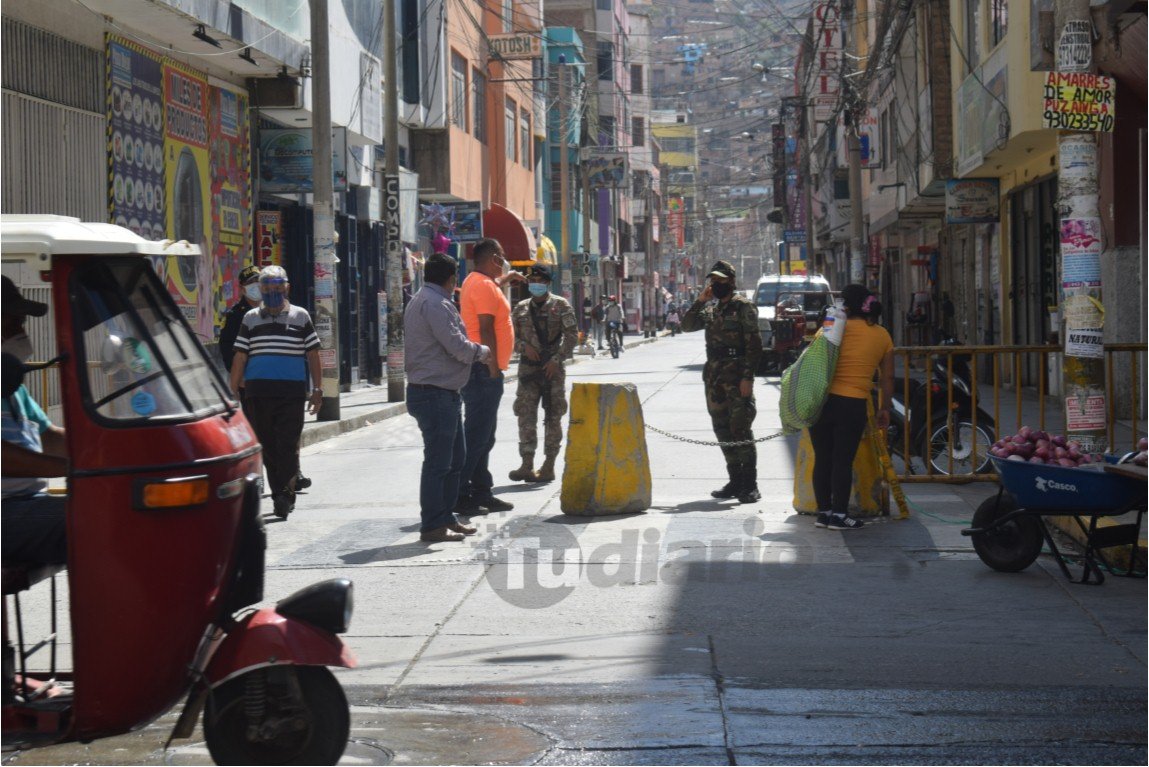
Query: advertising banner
135, 139
468, 221
972, 201
1079, 101
179, 167
187, 184
605, 170
1080, 252
269, 236
285, 163
228, 151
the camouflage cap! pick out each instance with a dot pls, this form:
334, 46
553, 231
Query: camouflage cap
539, 270
722, 269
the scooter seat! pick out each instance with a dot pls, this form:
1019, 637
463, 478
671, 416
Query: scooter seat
21, 577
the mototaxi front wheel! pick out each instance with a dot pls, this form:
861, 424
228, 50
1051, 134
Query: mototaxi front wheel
1009, 547
278, 715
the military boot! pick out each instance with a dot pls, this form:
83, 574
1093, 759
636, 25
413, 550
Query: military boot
732, 488
546, 472
526, 472
748, 491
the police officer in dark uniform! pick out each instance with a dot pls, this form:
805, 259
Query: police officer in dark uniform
733, 348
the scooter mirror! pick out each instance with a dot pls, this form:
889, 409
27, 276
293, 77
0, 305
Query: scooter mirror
12, 374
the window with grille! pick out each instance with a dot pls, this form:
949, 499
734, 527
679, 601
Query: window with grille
509, 128
479, 105
605, 60
525, 137
638, 131
636, 85
458, 112
998, 20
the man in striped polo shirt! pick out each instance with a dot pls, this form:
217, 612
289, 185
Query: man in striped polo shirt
276, 365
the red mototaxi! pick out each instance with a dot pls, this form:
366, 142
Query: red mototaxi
165, 537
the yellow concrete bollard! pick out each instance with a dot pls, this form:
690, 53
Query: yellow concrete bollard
868, 496
607, 467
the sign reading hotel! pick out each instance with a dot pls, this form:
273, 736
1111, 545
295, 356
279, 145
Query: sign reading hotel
1079, 101
516, 45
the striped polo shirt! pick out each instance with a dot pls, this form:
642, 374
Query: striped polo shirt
276, 346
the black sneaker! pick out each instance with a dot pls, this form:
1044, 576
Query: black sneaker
749, 494
844, 522
302, 482
282, 505
823, 519
730, 490
491, 503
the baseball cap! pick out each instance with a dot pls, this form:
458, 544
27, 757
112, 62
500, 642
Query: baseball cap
722, 269
12, 302
248, 273
538, 270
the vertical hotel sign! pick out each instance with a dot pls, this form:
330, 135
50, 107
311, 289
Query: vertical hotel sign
187, 180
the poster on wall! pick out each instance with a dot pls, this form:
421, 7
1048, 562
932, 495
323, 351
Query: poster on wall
187, 185
1079, 101
269, 238
1080, 252
135, 139
230, 197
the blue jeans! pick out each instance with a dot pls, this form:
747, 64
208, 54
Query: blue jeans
439, 414
481, 396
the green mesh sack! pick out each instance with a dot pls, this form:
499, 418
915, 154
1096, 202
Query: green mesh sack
806, 384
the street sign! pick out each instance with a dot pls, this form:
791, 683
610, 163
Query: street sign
516, 45
794, 235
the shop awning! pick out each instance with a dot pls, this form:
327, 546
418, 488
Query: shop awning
547, 253
506, 227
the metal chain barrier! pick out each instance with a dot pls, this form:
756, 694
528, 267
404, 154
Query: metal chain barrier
712, 443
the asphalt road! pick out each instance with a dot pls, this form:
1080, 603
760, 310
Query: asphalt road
700, 632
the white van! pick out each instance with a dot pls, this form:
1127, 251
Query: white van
817, 296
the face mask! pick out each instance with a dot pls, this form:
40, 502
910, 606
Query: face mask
273, 300
721, 289
253, 293
538, 289
19, 346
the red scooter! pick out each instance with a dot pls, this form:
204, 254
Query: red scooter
165, 538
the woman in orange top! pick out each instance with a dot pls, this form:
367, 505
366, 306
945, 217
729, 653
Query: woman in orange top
866, 348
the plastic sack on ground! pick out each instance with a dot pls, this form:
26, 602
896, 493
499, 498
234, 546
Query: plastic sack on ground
806, 385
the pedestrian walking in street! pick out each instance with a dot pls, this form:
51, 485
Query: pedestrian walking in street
598, 317
546, 332
866, 348
486, 313
733, 348
249, 298
33, 449
276, 365
673, 321
438, 363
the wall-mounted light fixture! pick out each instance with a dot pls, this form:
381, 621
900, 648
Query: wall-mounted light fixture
201, 34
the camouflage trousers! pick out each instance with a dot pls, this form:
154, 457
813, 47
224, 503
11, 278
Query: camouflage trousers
732, 416
533, 389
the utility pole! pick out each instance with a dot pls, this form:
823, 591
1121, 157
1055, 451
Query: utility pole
852, 112
323, 232
395, 372
1077, 200
564, 166
648, 247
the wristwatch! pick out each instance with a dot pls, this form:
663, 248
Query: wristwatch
317, 390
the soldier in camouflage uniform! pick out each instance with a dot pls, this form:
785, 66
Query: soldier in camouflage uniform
733, 347
546, 331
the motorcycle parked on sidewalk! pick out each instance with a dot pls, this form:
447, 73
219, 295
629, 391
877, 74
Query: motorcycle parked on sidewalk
932, 422
166, 542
